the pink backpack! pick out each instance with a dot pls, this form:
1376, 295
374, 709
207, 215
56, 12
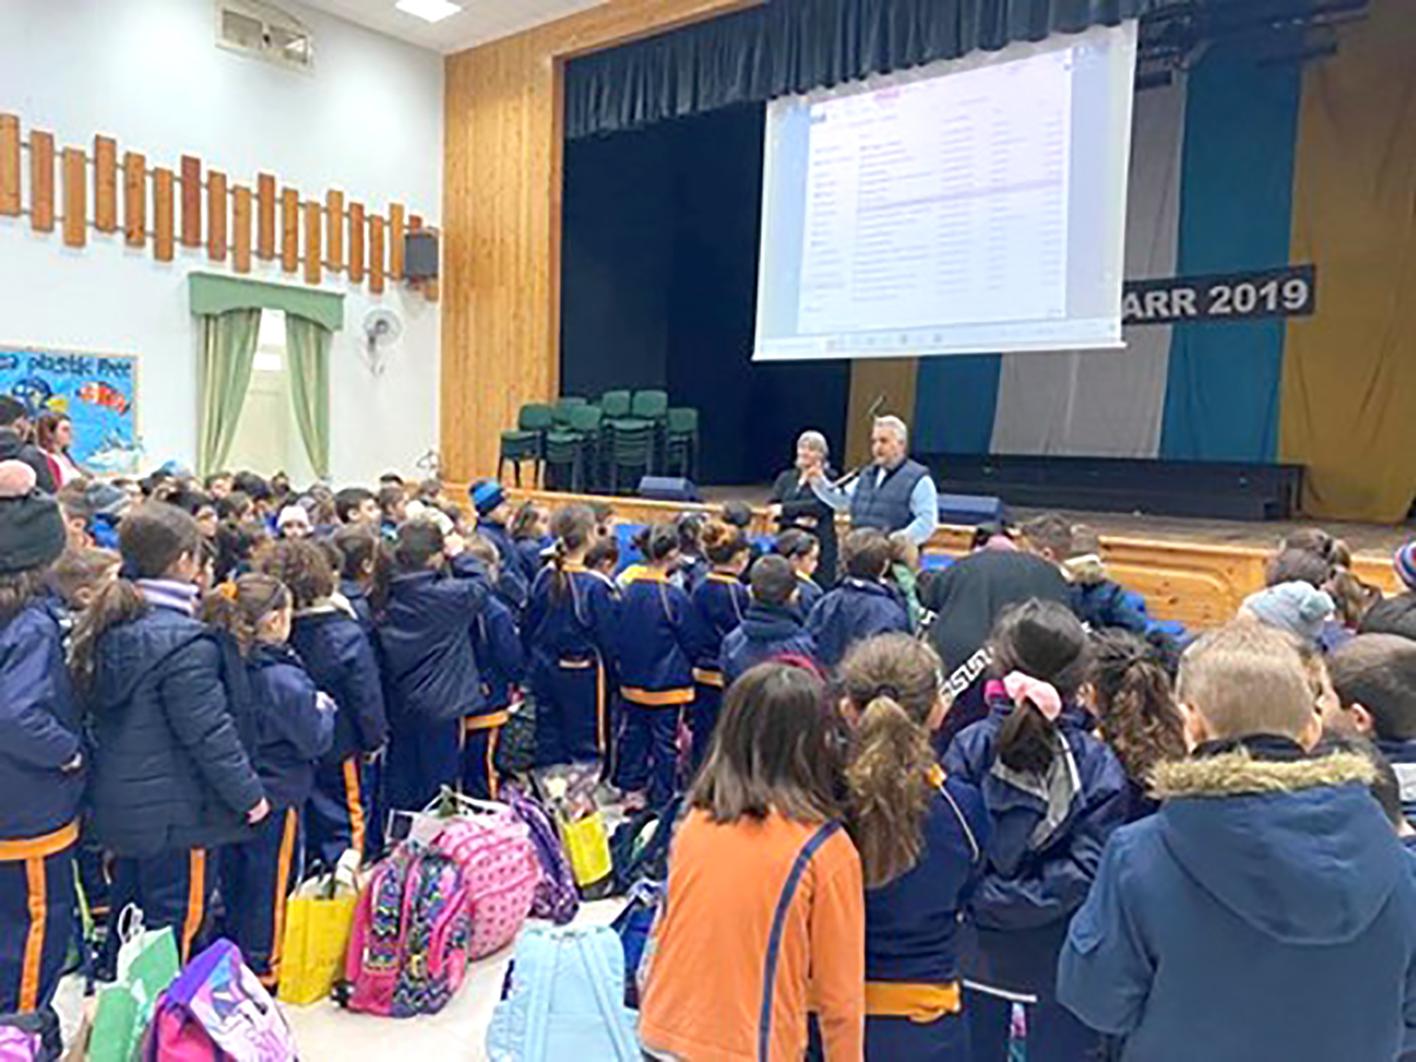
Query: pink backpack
408, 950
499, 866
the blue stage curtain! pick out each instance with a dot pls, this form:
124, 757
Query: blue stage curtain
792, 46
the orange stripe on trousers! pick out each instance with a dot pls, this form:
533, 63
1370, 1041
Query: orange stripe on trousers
354, 803
492, 762
196, 899
282, 892
36, 901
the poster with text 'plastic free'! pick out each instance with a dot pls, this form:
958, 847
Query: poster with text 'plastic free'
97, 391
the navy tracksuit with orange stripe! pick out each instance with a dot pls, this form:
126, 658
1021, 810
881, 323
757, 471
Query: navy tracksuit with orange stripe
39, 799
295, 725
721, 601
501, 662
339, 657
660, 637
570, 634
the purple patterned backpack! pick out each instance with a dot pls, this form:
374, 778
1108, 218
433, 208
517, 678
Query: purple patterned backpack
556, 896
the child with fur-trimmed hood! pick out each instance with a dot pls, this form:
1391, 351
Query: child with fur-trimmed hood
1267, 910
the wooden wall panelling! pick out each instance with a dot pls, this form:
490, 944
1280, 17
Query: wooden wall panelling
134, 199
10, 165
289, 230
314, 245
356, 242
105, 183
75, 198
376, 254
163, 247
502, 216
334, 230
191, 231
241, 229
41, 181
396, 228
265, 223
218, 209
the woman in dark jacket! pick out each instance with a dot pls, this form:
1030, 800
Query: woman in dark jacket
795, 505
41, 754
171, 777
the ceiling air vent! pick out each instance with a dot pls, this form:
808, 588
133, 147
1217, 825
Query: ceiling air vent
264, 31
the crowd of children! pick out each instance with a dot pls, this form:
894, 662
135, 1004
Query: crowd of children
915, 801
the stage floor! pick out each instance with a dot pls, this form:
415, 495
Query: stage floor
1375, 539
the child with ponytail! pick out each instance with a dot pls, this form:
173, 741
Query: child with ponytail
921, 837
294, 728
1135, 708
659, 638
171, 778
721, 602
1054, 793
569, 633
431, 676
803, 551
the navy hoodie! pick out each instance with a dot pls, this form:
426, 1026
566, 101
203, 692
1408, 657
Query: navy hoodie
767, 631
340, 659
856, 610
39, 727
1266, 911
293, 726
425, 633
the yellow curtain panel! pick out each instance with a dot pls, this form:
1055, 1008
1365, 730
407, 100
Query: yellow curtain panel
1349, 380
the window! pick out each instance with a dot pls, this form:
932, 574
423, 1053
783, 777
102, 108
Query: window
267, 437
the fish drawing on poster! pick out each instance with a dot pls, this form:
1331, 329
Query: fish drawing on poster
96, 392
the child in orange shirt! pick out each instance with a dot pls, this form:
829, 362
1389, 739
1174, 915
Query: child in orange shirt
765, 916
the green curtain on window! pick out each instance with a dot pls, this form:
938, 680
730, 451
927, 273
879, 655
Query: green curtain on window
307, 347
228, 350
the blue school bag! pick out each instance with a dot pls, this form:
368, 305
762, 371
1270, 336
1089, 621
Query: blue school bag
634, 926
565, 1000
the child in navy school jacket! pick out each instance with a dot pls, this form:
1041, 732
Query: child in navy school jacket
721, 601
922, 837
531, 535
496, 642
41, 752
171, 776
294, 727
1375, 679
659, 638
569, 633
363, 565
1268, 894
803, 551
339, 657
772, 624
431, 676
1055, 793
861, 606
493, 514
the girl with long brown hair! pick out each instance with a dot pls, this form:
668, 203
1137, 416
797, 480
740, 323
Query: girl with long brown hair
921, 837
1132, 696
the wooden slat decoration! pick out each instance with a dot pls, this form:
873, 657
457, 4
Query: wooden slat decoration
289, 230
134, 199
241, 229
217, 208
396, 225
334, 230
75, 198
356, 242
9, 165
430, 287
41, 181
191, 201
265, 223
415, 222
376, 254
314, 245
105, 183
162, 219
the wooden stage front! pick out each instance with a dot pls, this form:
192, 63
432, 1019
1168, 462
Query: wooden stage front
1194, 571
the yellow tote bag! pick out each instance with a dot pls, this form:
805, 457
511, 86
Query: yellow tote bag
317, 927
587, 844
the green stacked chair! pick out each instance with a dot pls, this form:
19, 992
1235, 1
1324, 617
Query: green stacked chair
681, 441
652, 406
575, 444
615, 405
563, 407
528, 441
631, 446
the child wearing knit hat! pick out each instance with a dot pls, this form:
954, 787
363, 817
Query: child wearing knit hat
41, 751
1297, 607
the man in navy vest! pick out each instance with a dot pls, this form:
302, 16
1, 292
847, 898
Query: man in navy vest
893, 493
